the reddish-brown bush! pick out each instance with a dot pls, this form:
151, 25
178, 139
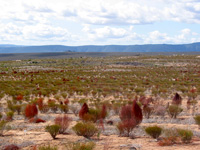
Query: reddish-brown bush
31, 111
19, 97
130, 117
36, 120
103, 112
40, 103
126, 126
177, 100
84, 110
66, 102
63, 122
137, 112
11, 147
126, 112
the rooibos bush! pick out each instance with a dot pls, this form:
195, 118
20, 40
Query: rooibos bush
154, 131
53, 130
85, 129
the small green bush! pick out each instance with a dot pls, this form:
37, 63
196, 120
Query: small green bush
154, 131
4, 127
85, 129
53, 130
174, 111
186, 135
81, 146
10, 115
47, 148
197, 120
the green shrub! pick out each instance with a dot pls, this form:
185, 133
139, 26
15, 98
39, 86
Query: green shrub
174, 111
53, 130
186, 135
86, 129
81, 146
4, 127
64, 108
47, 148
10, 115
197, 120
154, 131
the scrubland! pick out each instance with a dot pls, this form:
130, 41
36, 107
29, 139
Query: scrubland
101, 103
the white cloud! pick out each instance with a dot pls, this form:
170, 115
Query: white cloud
112, 21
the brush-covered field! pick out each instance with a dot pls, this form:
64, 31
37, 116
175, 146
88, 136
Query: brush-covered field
144, 102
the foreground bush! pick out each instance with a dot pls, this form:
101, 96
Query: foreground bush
53, 130
131, 116
154, 131
63, 122
126, 126
47, 148
174, 111
197, 120
85, 129
185, 135
81, 146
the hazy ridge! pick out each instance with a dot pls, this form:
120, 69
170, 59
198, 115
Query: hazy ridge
193, 47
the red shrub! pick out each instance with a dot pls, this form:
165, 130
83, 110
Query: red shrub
84, 110
36, 120
40, 103
126, 112
177, 100
63, 122
66, 101
31, 111
126, 126
11, 147
137, 112
103, 112
19, 97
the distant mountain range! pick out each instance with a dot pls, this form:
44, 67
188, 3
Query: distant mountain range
193, 47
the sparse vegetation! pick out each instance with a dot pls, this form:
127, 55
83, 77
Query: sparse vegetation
90, 89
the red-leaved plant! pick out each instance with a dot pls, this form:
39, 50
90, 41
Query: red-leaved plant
130, 117
137, 112
84, 110
177, 100
31, 111
63, 122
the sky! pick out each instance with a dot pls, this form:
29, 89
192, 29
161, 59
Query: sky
99, 22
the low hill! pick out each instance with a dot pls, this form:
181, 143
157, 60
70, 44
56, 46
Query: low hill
193, 47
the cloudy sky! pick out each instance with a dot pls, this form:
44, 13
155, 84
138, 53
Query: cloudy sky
99, 22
